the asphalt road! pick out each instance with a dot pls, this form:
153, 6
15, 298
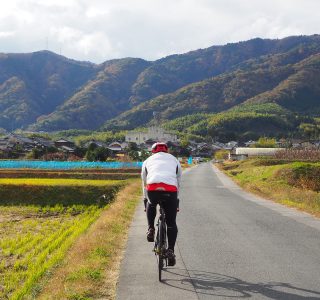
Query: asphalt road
231, 245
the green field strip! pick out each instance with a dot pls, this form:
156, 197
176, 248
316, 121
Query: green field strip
57, 182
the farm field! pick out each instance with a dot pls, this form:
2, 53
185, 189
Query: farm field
65, 165
40, 218
117, 174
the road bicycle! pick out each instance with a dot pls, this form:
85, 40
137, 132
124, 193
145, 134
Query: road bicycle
161, 241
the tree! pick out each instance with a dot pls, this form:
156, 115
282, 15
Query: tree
138, 155
80, 151
132, 146
95, 153
265, 142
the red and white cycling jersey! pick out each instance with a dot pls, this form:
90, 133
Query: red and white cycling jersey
161, 172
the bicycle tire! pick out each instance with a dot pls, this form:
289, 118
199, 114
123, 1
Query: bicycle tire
161, 246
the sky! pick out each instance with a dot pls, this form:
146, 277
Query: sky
100, 30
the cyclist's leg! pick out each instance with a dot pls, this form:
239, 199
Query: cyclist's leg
170, 207
151, 208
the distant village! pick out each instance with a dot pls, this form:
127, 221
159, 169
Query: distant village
18, 146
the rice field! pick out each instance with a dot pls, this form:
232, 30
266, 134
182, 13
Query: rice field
40, 218
30, 246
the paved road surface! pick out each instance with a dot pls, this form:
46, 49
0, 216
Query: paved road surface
231, 245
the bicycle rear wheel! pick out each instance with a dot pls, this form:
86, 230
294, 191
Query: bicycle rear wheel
160, 266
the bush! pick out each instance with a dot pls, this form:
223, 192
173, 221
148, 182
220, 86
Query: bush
306, 176
221, 154
265, 142
97, 154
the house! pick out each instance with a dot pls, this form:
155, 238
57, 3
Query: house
67, 149
63, 142
43, 143
231, 145
115, 147
4, 144
25, 143
148, 144
65, 145
95, 143
218, 146
202, 149
5, 148
250, 143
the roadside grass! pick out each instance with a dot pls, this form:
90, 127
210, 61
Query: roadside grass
271, 180
39, 220
90, 269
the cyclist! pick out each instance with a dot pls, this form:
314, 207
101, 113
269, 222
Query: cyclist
161, 175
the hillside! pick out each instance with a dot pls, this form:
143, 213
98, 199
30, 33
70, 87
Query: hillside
300, 92
45, 91
173, 72
294, 87
35, 84
102, 98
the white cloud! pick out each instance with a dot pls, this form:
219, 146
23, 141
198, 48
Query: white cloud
99, 30
5, 34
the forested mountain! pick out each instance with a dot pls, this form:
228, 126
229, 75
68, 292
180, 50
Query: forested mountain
35, 84
101, 98
45, 91
173, 72
293, 86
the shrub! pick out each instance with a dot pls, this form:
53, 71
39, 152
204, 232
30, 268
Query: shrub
221, 154
265, 142
306, 176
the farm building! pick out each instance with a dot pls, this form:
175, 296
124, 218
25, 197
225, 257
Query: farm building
257, 151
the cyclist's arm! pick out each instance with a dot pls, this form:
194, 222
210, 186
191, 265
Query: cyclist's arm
144, 180
178, 173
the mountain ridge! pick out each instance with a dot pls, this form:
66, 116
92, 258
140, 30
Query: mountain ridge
46, 91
